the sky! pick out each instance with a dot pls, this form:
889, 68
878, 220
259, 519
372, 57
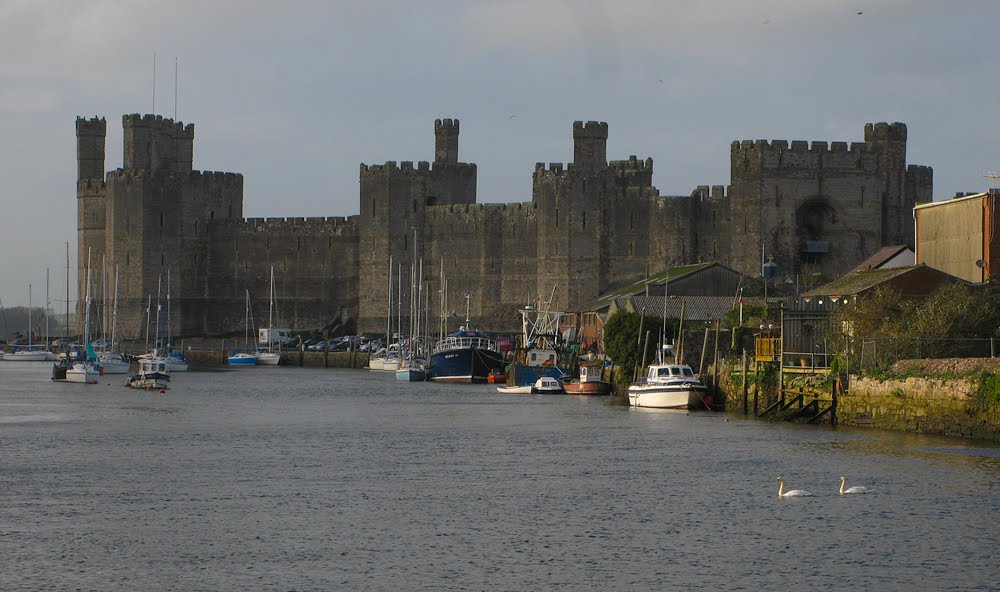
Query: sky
296, 94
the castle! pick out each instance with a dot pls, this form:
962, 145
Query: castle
592, 225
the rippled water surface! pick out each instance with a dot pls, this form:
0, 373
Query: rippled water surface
311, 479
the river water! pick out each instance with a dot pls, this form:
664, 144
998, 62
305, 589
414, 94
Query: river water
311, 479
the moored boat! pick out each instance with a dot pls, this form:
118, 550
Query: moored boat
547, 385
589, 383
113, 362
241, 359
153, 374
465, 356
668, 386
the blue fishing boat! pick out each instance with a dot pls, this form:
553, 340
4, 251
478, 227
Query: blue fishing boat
465, 356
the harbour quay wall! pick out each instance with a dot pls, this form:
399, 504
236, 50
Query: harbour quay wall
216, 358
947, 407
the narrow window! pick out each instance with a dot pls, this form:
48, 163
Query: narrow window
585, 220
161, 219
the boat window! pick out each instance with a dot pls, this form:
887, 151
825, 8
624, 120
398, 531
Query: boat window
664, 372
688, 372
675, 371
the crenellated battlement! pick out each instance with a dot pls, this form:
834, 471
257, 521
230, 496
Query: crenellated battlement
591, 129
320, 225
178, 128
885, 132
406, 167
90, 186
633, 164
704, 192
800, 146
95, 126
446, 124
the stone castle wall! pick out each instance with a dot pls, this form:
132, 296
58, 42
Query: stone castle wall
591, 226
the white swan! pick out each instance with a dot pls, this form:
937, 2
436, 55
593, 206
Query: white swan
792, 493
855, 489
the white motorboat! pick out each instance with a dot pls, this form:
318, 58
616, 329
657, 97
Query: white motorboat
668, 386
153, 374
546, 385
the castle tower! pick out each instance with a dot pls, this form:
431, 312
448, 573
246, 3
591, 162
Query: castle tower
90, 135
446, 141
897, 218
157, 145
91, 200
590, 146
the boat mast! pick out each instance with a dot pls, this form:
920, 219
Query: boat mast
167, 348
67, 293
270, 312
47, 303
114, 313
29, 316
388, 308
156, 333
399, 304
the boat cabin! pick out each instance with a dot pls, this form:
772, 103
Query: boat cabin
670, 372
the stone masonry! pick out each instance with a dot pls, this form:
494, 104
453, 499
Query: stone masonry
591, 226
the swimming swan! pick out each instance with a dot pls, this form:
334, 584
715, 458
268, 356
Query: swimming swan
855, 489
792, 493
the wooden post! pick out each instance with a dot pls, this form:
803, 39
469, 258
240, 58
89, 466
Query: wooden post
704, 348
781, 353
715, 362
833, 408
302, 353
326, 349
224, 356
743, 367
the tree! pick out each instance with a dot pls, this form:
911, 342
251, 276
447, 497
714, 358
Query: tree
622, 338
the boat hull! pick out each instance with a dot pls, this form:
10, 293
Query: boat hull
411, 375
242, 360
114, 364
514, 390
464, 365
529, 375
151, 381
268, 359
26, 356
592, 387
83, 374
667, 397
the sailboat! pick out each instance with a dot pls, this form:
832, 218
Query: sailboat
411, 368
27, 353
85, 369
113, 361
247, 357
176, 360
270, 357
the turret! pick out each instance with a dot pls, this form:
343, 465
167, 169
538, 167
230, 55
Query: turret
90, 134
590, 146
155, 144
446, 141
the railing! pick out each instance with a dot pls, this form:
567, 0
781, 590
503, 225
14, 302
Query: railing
450, 343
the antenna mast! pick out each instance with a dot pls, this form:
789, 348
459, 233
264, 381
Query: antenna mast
154, 83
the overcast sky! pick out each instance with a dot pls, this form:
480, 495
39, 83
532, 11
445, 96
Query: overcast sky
294, 95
